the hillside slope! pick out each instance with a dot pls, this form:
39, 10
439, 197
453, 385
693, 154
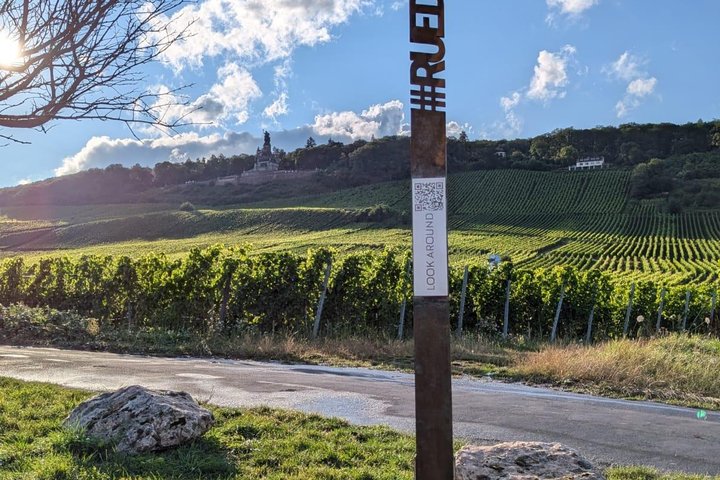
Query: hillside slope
586, 219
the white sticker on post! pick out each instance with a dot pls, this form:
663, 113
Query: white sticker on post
430, 251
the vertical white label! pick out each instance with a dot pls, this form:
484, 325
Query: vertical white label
430, 251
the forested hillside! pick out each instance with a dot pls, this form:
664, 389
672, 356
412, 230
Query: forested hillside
690, 151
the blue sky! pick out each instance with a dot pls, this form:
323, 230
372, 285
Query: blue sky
340, 68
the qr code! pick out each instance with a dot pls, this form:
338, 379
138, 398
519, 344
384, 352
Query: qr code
429, 197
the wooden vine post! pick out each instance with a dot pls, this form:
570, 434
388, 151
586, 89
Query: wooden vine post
553, 334
628, 312
461, 312
661, 307
506, 311
321, 301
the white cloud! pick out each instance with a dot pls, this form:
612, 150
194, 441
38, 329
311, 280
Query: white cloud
569, 8
378, 121
255, 31
508, 103
236, 90
642, 87
629, 68
512, 125
24, 181
550, 74
626, 67
277, 108
104, 151
397, 5
454, 129
229, 99
636, 90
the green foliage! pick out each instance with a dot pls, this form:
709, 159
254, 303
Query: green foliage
227, 289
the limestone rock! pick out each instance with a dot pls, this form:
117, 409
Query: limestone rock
522, 461
139, 420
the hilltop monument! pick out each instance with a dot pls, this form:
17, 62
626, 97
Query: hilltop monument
265, 159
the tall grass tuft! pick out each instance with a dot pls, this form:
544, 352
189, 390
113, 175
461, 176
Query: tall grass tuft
671, 368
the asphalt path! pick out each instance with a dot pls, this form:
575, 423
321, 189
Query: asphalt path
606, 431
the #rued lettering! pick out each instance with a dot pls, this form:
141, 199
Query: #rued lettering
427, 27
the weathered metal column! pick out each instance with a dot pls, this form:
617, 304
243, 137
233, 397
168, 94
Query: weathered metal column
428, 152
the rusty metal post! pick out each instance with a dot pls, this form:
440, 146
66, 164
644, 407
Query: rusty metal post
428, 153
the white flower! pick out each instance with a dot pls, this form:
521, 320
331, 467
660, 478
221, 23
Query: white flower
707, 320
640, 319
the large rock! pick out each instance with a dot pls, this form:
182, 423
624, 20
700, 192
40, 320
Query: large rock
522, 461
139, 420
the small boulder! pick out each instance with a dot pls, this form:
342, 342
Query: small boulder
522, 461
138, 420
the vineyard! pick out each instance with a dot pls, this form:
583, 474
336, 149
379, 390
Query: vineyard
231, 290
583, 220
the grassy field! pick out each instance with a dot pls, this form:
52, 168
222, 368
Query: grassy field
244, 444
539, 219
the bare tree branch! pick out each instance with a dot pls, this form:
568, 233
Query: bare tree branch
83, 59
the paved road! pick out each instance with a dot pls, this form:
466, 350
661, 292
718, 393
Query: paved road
605, 430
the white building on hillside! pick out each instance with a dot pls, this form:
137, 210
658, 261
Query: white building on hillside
589, 163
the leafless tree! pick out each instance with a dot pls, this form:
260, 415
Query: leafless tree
83, 59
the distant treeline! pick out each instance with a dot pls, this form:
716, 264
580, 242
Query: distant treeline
364, 162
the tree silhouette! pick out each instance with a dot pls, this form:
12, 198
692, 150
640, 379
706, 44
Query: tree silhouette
82, 59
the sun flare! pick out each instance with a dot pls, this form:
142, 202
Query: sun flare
10, 51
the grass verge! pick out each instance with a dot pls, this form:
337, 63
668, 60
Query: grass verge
675, 369
258, 443
245, 443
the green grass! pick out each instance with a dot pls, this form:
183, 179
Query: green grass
244, 444
259, 443
647, 473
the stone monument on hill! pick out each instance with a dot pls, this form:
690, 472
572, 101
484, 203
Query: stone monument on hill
265, 159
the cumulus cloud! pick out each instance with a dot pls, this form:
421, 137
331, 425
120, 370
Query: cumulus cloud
347, 126
103, 151
629, 68
256, 31
226, 101
454, 129
377, 121
572, 9
549, 81
550, 76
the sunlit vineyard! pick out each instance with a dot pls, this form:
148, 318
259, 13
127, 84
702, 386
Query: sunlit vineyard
538, 219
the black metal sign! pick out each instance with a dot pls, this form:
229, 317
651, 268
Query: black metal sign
428, 153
